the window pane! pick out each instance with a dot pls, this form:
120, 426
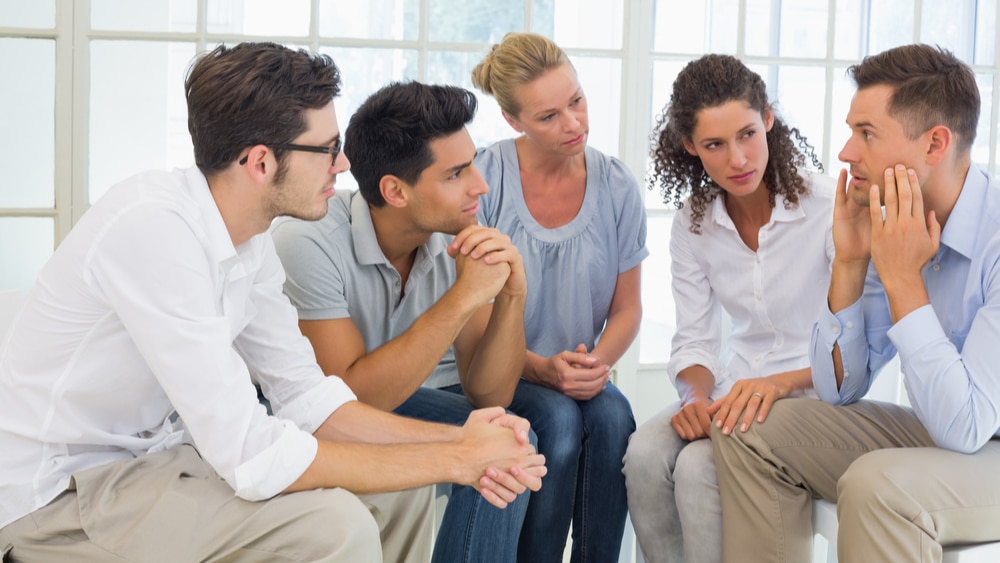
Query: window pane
950, 25
890, 25
981, 146
28, 68
843, 91
25, 244
658, 320
791, 28
362, 72
664, 73
149, 15
595, 24
847, 43
143, 126
453, 67
801, 91
37, 14
474, 21
986, 33
696, 27
259, 17
601, 79
373, 19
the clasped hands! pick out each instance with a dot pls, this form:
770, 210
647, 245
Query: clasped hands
504, 463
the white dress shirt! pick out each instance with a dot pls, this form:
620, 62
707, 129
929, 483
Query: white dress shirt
147, 308
773, 296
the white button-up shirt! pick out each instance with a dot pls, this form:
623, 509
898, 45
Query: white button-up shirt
773, 296
147, 308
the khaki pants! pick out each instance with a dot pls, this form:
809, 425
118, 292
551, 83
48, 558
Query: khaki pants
172, 506
898, 497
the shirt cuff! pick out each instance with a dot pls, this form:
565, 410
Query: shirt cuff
310, 410
274, 469
916, 331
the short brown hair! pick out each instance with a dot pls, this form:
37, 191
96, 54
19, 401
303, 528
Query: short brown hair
250, 94
930, 87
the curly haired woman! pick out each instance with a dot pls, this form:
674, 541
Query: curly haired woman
751, 238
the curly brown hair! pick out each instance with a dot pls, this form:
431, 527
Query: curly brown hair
711, 81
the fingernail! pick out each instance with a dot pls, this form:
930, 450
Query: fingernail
726, 430
743, 428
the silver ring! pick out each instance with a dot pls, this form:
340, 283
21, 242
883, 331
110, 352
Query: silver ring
757, 395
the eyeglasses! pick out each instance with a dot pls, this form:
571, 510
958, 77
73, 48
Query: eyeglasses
333, 150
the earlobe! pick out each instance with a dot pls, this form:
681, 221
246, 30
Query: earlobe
939, 139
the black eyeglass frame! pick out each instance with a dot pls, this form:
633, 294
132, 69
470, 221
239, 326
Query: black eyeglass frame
332, 150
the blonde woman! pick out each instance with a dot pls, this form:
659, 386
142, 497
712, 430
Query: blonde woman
577, 217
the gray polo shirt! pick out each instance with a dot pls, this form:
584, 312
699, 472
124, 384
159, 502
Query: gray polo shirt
335, 269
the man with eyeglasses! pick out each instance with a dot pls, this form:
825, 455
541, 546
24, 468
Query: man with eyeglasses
129, 426
400, 291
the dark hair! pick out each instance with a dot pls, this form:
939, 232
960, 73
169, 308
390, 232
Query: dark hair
711, 81
930, 87
250, 94
391, 132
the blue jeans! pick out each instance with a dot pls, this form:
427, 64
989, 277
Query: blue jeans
583, 443
473, 530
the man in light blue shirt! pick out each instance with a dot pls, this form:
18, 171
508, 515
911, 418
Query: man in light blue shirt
916, 273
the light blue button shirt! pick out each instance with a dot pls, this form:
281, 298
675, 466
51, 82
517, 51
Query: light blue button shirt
949, 350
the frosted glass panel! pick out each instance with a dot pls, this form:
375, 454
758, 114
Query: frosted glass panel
27, 122
601, 80
474, 21
696, 27
451, 67
791, 28
259, 17
33, 14
148, 15
373, 19
362, 72
798, 90
658, 317
143, 126
595, 24
26, 243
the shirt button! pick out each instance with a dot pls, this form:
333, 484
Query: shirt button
936, 267
846, 374
850, 324
836, 329
759, 297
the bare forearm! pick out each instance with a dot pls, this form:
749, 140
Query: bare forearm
795, 380
499, 360
390, 374
847, 284
619, 333
695, 382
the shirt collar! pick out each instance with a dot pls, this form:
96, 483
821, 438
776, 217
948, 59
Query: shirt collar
220, 243
779, 214
366, 246
960, 232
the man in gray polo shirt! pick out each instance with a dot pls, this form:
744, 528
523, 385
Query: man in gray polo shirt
419, 309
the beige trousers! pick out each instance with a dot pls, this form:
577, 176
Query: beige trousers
172, 506
898, 497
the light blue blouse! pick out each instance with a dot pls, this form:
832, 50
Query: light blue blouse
571, 270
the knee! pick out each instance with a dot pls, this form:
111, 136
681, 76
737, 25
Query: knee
695, 467
864, 479
652, 449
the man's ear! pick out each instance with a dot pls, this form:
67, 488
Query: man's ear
939, 139
260, 163
512, 121
393, 190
